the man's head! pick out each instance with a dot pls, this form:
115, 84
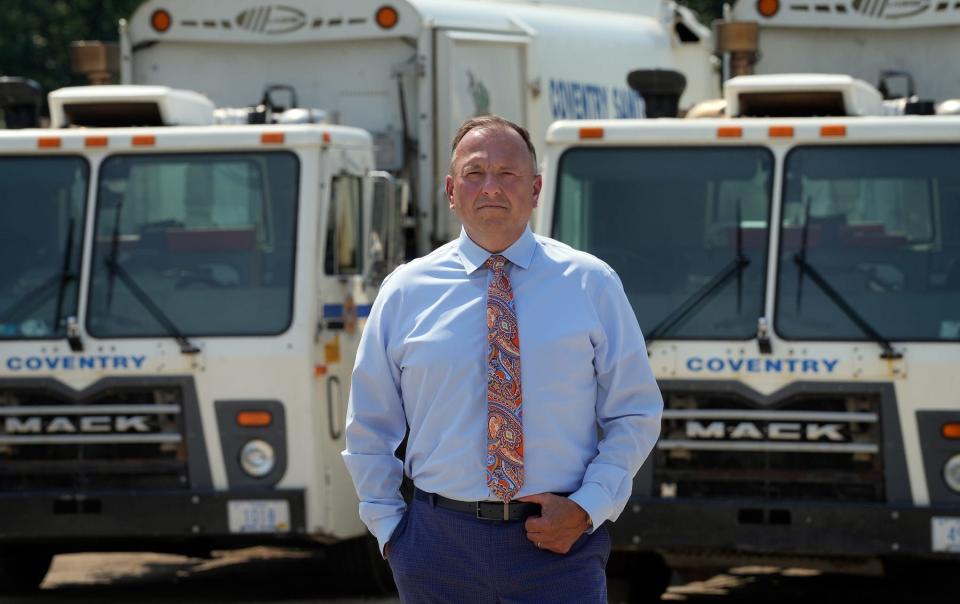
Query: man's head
493, 183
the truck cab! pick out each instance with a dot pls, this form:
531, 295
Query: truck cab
179, 303
797, 280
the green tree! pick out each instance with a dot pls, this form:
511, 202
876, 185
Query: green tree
35, 35
707, 10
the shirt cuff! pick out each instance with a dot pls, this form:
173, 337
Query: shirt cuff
383, 529
594, 501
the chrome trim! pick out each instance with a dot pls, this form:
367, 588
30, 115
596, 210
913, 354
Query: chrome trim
776, 416
700, 445
90, 439
88, 409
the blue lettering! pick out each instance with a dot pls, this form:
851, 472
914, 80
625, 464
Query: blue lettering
103, 361
735, 364
753, 365
809, 365
138, 361
791, 365
87, 363
695, 364
68, 362
51, 362
830, 364
34, 363
119, 362
715, 364
14, 363
772, 365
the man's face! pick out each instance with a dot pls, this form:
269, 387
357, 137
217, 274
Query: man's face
492, 186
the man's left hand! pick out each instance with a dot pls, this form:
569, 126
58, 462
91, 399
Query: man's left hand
560, 523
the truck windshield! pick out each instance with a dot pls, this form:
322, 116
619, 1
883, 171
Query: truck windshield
42, 205
685, 228
194, 245
881, 226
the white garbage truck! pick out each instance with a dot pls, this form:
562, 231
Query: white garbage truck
798, 283
411, 71
179, 309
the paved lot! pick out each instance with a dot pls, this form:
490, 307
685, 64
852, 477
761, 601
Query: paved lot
260, 575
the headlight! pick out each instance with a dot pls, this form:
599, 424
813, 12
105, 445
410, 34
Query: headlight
951, 473
257, 459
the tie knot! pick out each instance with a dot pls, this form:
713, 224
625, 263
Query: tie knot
496, 263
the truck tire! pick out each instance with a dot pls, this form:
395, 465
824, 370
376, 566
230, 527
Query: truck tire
23, 572
637, 577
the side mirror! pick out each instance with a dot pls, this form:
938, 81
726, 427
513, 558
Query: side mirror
384, 226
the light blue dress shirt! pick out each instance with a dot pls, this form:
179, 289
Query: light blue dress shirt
422, 364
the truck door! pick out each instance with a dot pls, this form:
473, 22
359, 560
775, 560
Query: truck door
477, 74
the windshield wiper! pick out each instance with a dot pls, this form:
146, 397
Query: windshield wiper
115, 270
803, 266
40, 294
186, 347
707, 290
73, 335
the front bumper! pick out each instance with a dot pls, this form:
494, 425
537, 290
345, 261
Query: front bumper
786, 528
138, 517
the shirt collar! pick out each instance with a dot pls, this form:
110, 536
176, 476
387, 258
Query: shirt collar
520, 253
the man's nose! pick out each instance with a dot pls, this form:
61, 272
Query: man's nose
491, 184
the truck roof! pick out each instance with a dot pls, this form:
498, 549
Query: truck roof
180, 138
306, 20
667, 131
849, 14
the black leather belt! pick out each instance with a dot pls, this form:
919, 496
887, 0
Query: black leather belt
485, 510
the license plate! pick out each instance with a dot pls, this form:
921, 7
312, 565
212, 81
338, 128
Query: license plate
945, 534
259, 516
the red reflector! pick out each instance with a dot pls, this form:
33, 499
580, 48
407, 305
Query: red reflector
729, 132
833, 130
144, 140
781, 131
95, 141
591, 132
254, 419
271, 137
160, 20
50, 142
387, 17
326, 137
951, 430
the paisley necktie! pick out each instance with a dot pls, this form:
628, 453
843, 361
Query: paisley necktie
504, 395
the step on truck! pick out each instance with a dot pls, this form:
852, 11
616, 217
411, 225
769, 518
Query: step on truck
180, 303
797, 280
411, 71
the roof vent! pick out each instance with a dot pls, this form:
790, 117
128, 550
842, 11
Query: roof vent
801, 95
104, 106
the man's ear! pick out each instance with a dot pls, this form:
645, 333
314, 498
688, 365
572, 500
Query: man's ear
449, 188
537, 184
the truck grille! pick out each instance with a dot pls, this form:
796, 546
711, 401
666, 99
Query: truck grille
123, 437
813, 446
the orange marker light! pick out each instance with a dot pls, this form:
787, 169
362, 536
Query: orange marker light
161, 20
271, 137
591, 133
387, 17
729, 132
951, 430
768, 8
833, 131
144, 140
781, 132
254, 419
95, 141
326, 137
48, 142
